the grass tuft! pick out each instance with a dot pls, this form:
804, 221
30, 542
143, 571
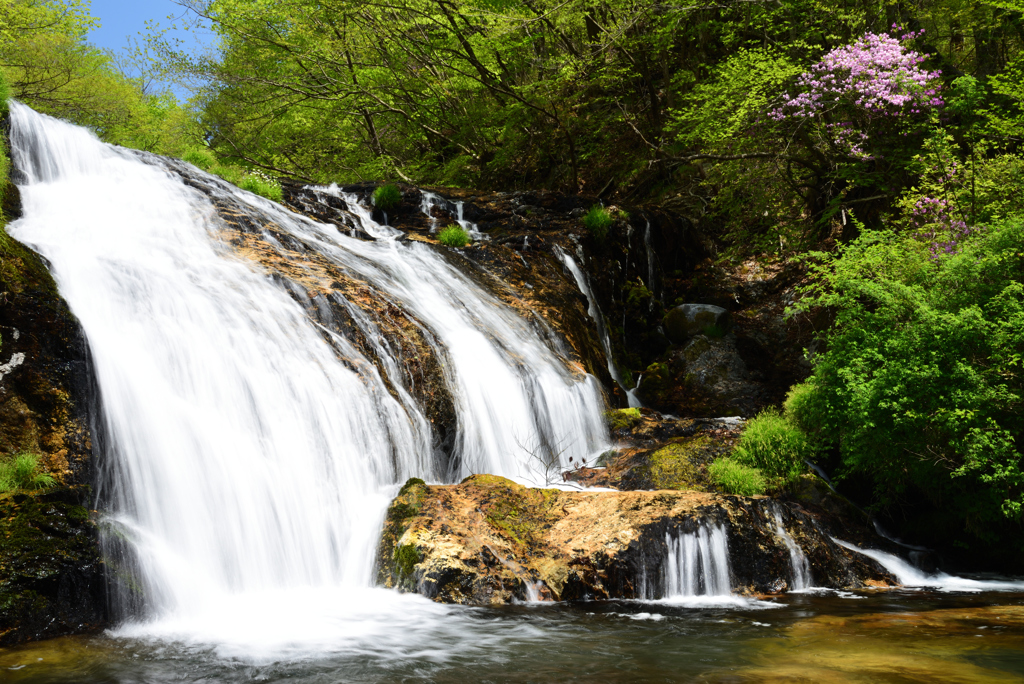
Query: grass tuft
598, 221
22, 471
736, 478
387, 197
453, 236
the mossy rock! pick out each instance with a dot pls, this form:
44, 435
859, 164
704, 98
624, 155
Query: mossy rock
623, 419
676, 466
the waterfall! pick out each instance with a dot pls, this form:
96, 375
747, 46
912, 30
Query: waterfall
594, 311
910, 576
798, 561
259, 398
697, 563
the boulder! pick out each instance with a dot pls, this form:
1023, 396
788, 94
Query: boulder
689, 320
491, 541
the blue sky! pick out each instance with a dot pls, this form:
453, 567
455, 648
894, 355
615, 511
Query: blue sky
122, 20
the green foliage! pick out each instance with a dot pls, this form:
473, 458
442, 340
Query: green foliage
774, 444
22, 471
200, 158
734, 477
453, 236
598, 221
5, 94
387, 197
261, 184
254, 181
920, 384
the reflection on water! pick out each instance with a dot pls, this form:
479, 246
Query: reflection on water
891, 636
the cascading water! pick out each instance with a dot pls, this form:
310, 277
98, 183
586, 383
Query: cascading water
695, 568
697, 563
910, 576
594, 311
252, 441
798, 560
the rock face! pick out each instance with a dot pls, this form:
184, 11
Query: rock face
706, 377
689, 320
491, 541
51, 575
51, 582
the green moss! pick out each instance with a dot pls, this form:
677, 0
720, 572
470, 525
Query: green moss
409, 484
406, 557
676, 466
623, 419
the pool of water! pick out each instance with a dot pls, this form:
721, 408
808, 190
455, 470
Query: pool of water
879, 636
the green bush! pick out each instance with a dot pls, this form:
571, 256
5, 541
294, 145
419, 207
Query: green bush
22, 471
200, 158
598, 221
774, 444
736, 478
453, 236
919, 388
387, 197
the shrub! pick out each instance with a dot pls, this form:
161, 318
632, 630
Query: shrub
736, 478
918, 390
773, 443
387, 197
598, 221
22, 471
453, 236
200, 158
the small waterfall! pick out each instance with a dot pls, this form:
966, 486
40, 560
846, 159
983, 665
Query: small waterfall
910, 576
697, 563
262, 381
801, 568
650, 256
594, 311
430, 200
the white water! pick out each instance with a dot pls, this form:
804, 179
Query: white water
697, 564
910, 576
253, 450
798, 561
430, 200
594, 311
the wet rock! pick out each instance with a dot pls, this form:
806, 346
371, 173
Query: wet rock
51, 580
51, 576
491, 541
688, 320
708, 377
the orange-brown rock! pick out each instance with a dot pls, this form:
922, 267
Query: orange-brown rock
489, 540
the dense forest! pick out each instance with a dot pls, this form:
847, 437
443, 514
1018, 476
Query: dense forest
877, 143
